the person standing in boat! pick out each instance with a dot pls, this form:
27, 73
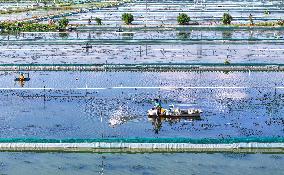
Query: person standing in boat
21, 77
22, 80
158, 106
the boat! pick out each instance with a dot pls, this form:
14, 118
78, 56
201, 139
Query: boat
173, 112
119, 30
26, 77
87, 46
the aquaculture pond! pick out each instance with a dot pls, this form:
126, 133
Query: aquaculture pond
162, 163
143, 46
158, 12
60, 105
23, 10
180, 34
69, 107
165, 12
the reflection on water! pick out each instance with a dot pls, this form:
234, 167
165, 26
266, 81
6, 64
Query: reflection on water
235, 104
157, 121
238, 104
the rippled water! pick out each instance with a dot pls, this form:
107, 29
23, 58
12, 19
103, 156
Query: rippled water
141, 53
146, 164
235, 104
110, 33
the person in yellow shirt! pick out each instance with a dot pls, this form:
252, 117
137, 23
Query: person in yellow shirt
22, 77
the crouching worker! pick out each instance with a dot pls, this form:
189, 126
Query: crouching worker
22, 77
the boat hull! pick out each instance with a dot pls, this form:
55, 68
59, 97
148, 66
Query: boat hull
175, 116
25, 79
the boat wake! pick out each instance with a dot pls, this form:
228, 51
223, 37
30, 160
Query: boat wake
120, 116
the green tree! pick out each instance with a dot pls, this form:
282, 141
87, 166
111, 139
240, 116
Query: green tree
183, 19
98, 21
127, 18
227, 19
63, 23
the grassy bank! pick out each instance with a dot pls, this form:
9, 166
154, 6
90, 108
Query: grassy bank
14, 27
63, 6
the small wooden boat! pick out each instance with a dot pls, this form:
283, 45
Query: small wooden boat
26, 77
87, 46
175, 113
119, 30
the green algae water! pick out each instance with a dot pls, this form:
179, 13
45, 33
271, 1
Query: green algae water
144, 164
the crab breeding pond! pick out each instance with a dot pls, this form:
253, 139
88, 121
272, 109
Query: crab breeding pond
79, 99
144, 164
87, 105
106, 45
165, 12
